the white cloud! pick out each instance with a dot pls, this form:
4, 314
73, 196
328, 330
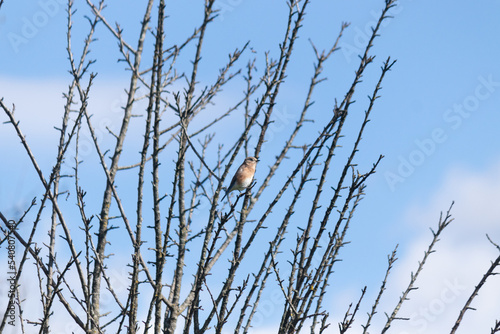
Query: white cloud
39, 103
475, 194
39, 107
462, 257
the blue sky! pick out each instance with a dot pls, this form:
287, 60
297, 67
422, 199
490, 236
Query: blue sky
436, 123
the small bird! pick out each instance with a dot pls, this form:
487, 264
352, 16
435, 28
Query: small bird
243, 177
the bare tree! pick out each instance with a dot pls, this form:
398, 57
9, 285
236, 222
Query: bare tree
201, 268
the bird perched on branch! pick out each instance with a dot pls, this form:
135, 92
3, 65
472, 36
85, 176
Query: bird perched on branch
244, 176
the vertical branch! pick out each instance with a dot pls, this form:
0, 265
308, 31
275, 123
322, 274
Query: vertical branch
87, 227
366, 59
160, 256
208, 17
136, 256
248, 79
279, 76
496, 328
106, 202
67, 109
390, 259
443, 223
489, 272
349, 317
184, 115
